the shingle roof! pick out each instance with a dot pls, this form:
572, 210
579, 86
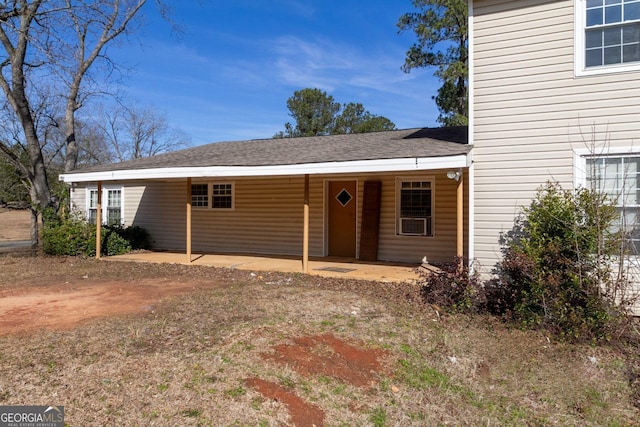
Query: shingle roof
408, 143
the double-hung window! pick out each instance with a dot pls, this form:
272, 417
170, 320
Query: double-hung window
607, 35
93, 206
111, 206
222, 196
114, 207
414, 207
619, 178
200, 195
216, 195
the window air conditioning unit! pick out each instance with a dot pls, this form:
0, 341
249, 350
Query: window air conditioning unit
413, 226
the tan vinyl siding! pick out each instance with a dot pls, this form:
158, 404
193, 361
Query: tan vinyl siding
162, 212
437, 249
132, 195
267, 219
531, 112
267, 216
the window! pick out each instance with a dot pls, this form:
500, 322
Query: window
93, 206
200, 195
114, 204
222, 196
111, 206
608, 35
415, 207
619, 178
215, 195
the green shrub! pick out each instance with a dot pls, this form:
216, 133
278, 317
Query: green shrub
113, 243
136, 236
72, 236
75, 236
557, 266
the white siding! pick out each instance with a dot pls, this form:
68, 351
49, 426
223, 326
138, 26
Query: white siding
78, 198
531, 112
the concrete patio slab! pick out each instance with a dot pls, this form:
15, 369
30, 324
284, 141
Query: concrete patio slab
326, 267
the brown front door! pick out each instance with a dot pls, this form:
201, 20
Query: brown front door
342, 218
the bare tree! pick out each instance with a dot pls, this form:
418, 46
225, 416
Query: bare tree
135, 132
50, 47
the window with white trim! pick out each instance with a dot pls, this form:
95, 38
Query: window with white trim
114, 207
93, 206
111, 206
619, 178
607, 35
414, 206
216, 195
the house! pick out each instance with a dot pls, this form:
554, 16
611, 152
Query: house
554, 89
392, 196
555, 96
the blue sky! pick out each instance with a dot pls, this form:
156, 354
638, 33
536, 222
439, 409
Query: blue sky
230, 73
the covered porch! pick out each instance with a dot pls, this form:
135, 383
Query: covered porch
319, 266
395, 196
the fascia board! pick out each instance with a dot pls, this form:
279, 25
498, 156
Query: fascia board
360, 166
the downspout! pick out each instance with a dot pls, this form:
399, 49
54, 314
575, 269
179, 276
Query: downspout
99, 221
188, 249
471, 126
460, 218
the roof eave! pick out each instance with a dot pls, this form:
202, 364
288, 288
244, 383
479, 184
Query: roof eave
358, 166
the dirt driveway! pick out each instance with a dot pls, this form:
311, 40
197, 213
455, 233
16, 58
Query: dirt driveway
58, 301
64, 305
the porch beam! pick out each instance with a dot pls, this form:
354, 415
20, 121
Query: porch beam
459, 218
99, 221
305, 230
188, 250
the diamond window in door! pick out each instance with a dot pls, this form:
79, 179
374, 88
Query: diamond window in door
344, 197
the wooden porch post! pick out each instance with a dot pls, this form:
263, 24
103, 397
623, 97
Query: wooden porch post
99, 221
459, 218
188, 220
305, 232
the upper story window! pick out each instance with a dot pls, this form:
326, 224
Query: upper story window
217, 195
607, 36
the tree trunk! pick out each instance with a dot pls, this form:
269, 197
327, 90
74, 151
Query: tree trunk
35, 230
39, 191
70, 129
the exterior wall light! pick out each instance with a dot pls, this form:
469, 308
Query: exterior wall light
454, 175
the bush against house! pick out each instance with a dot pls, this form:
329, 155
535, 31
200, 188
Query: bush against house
564, 269
563, 266
75, 236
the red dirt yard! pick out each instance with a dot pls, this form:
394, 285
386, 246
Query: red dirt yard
56, 304
123, 343
65, 305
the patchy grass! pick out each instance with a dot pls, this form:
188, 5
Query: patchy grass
186, 361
